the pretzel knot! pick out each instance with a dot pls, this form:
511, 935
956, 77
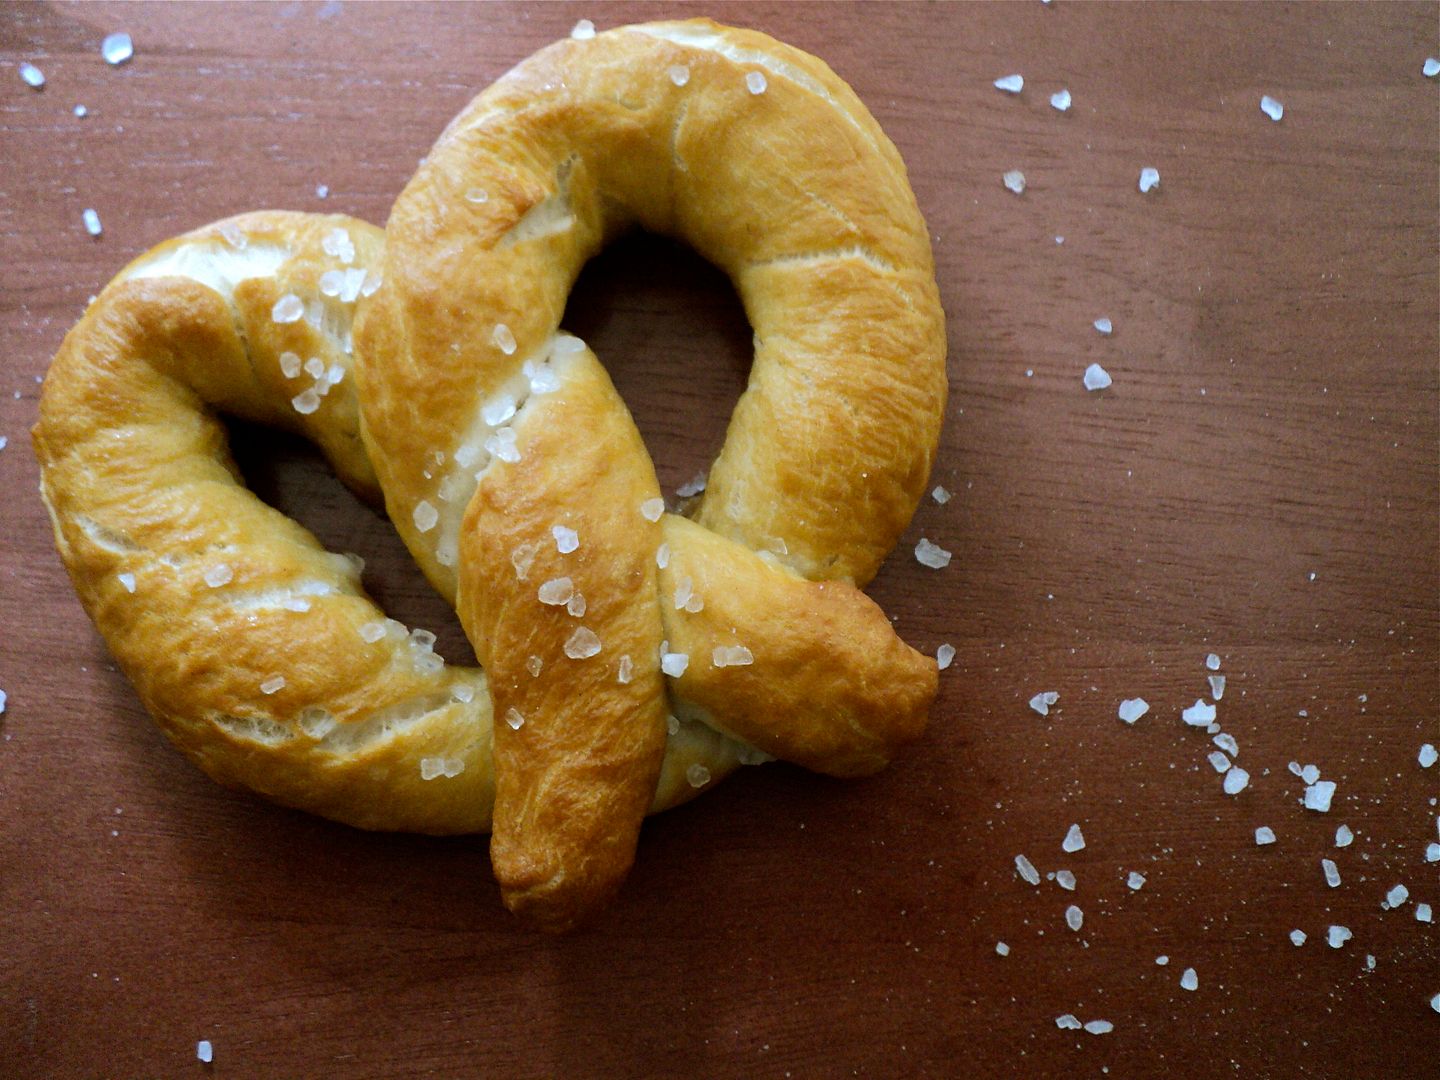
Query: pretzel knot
632, 656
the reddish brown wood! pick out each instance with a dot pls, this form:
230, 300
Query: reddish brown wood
1273, 417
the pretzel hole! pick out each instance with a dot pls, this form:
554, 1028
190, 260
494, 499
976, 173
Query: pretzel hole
675, 342
289, 474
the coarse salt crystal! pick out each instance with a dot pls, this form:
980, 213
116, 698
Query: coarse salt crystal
662, 556
931, 555
566, 539
204, 1051
1027, 870
1338, 935
1332, 873
1310, 774
1068, 1022
1428, 755
755, 82
652, 509
1199, 715
1011, 84
1149, 178
582, 644
1135, 880
1396, 896
1002, 948
288, 309
33, 76
576, 605
732, 656
1065, 879
1343, 836
1430, 69
1099, 1027
217, 575
1074, 840
1096, 378
425, 516
117, 48
674, 663
496, 412
624, 670
290, 365
1264, 835
1014, 180
1161, 961
1132, 709
1189, 980
372, 632
477, 195
128, 581
1105, 326
515, 718
1219, 761
503, 338
1236, 781
583, 30
693, 486
1217, 686
1212, 661
81, 111
944, 655
1297, 938
1227, 743
314, 367
1319, 794
1060, 100
1422, 913
940, 495
522, 558
698, 775
1042, 701
338, 244
273, 684
679, 74
1272, 108
1432, 852
557, 591
1074, 917
92, 222
534, 665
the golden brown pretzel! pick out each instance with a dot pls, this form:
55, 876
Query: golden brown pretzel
514, 472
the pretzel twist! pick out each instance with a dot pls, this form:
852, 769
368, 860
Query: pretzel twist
636, 657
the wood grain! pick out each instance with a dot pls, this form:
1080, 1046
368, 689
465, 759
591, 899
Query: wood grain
1261, 481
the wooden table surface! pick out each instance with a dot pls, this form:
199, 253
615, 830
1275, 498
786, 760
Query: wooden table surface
1260, 482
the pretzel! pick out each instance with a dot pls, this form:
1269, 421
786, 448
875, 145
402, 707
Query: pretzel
635, 656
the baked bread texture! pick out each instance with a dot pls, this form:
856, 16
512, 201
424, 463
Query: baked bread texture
629, 657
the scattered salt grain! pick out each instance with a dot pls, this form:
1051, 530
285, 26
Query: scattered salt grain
566, 539
1002, 948
733, 656
1219, 761
679, 74
204, 1051
1099, 1027
322, 191
1060, 100
698, 775
1132, 709
625, 670
662, 556
502, 445
1430, 69
1217, 686
1074, 840
1065, 879
576, 605
1332, 874
1027, 870
127, 580
503, 338
940, 495
338, 244
674, 663
1015, 181
1105, 326
1042, 701
1189, 980
1395, 897
557, 591
92, 222
288, 309
1136, 881
583, 30
1272, 108
1096, 378
1338, 935
651, 509
534, 665
1432, 852
522, 558
931, 555
1343, 836
1161, 961
582, 644
1199, 715
1227, 743
372, 632
1422, 913
944, 655
1310, 773
1297, 938
1428, 755
1318, 796
515, 718
290, 365
1149, 178
219, 574
499, 410
1011, 84
314, 367
755, 82
1068, 1022
425, 516
33, 76
1264, 835
116, 49
273, 684
1435, 1003
1236, 781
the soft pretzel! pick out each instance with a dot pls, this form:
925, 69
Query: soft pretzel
635, 657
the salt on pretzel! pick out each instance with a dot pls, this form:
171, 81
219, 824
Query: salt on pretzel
513, 471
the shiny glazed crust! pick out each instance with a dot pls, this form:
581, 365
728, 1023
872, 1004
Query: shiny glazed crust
487, 428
